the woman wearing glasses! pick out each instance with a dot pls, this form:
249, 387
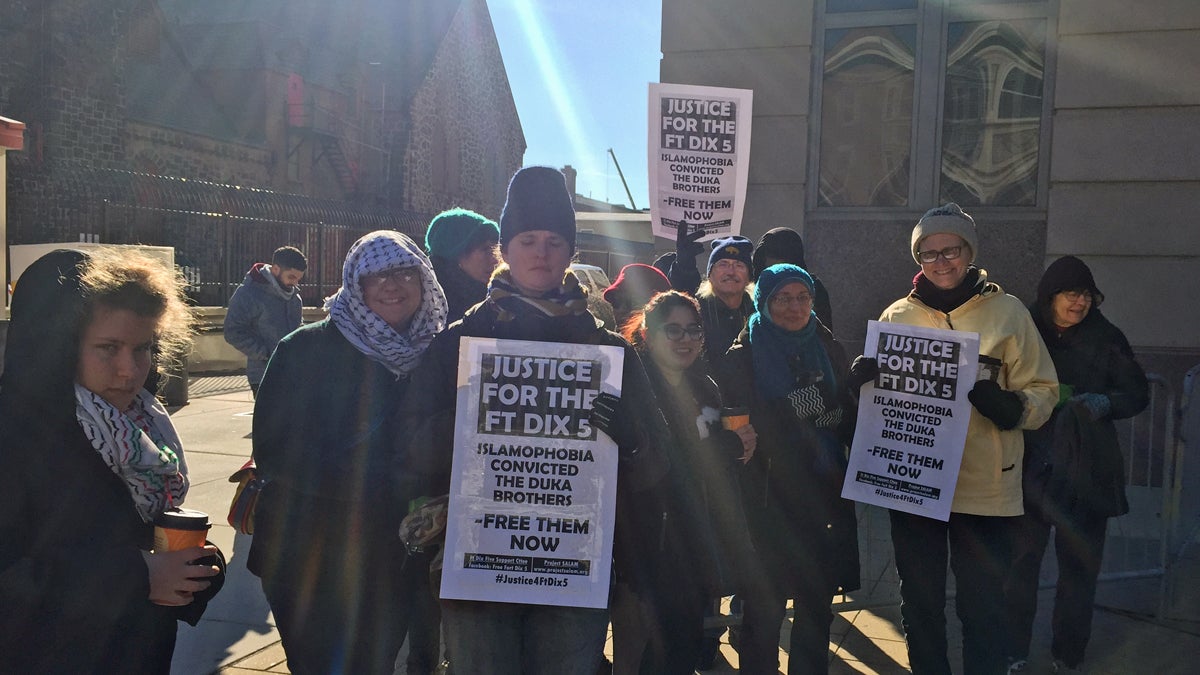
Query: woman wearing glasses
702, 543
1016, 389
790, 372
1099, 382
326, 438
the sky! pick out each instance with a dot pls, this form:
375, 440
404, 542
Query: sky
579, 71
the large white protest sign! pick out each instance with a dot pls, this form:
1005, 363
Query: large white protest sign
699, 157
534, 485
912, 420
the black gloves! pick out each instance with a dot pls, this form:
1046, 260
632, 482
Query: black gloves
1002, 407
687, 244
609, 415
864, 369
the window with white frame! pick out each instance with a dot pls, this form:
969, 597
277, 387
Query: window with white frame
919, 102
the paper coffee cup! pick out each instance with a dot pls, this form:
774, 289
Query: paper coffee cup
177, 529
735, 418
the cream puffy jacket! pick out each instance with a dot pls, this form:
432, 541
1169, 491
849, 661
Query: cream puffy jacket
989, 482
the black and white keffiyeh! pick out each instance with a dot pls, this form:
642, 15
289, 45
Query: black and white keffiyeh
140, 445
376, 252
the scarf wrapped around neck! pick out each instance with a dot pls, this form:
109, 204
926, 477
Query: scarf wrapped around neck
397, 351
568, 299
784, 360
140, 445
947, 301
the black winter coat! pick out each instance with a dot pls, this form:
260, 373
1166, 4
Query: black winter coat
431, 416
803, 530
1093, 357
327, 440
704, 541
462, 292
74, 588
73, 585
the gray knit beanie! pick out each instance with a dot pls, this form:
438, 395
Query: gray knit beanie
946, 219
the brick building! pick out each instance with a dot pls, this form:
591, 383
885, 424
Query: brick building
398, 106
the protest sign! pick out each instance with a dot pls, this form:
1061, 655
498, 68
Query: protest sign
699, 157
912, 420
534, 485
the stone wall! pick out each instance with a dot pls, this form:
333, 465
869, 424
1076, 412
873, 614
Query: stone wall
168, 152
465, 136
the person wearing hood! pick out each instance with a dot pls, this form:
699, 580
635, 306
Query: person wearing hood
784, 245
328, 443
1015, 390
1099, 382
463, 247
88, 460
265, 308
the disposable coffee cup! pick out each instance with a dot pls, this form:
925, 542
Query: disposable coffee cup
178, 529
735, 418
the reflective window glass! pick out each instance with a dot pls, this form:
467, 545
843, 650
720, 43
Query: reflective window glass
866, 116
993, 111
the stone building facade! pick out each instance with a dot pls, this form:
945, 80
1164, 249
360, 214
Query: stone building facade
1063, 126
462, 140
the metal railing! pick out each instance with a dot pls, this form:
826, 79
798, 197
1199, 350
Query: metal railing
1140, 544
218, 231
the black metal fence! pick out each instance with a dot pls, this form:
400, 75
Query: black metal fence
218, 231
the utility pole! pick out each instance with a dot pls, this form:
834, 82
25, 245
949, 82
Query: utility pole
622, 175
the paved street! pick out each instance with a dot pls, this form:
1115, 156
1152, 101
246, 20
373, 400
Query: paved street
237, 634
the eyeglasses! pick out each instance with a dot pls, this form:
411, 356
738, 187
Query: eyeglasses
403, 275
1074, 296
728, 264
675, 332
949, 253
801, 299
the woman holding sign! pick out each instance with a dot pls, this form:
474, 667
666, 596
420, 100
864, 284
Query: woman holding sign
787, 368
703, 547
327, 440
88, 460
1074, 470
532, 297
1016, 391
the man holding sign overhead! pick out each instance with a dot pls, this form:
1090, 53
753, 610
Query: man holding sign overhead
1015, 389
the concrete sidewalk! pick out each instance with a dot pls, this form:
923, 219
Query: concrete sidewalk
237, 633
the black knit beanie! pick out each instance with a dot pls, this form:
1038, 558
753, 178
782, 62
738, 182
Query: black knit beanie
538, 200
782, 244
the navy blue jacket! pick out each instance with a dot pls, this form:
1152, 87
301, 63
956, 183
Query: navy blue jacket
260, 315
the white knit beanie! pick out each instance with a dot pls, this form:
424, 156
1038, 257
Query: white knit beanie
946, 219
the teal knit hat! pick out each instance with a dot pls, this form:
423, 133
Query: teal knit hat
452, 232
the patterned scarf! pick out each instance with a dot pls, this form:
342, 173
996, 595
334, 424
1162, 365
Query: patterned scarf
569, 299
376, 252
139, 445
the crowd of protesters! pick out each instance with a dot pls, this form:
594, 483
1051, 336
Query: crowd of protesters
354, 429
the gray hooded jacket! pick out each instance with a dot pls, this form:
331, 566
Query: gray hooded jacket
260, 314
